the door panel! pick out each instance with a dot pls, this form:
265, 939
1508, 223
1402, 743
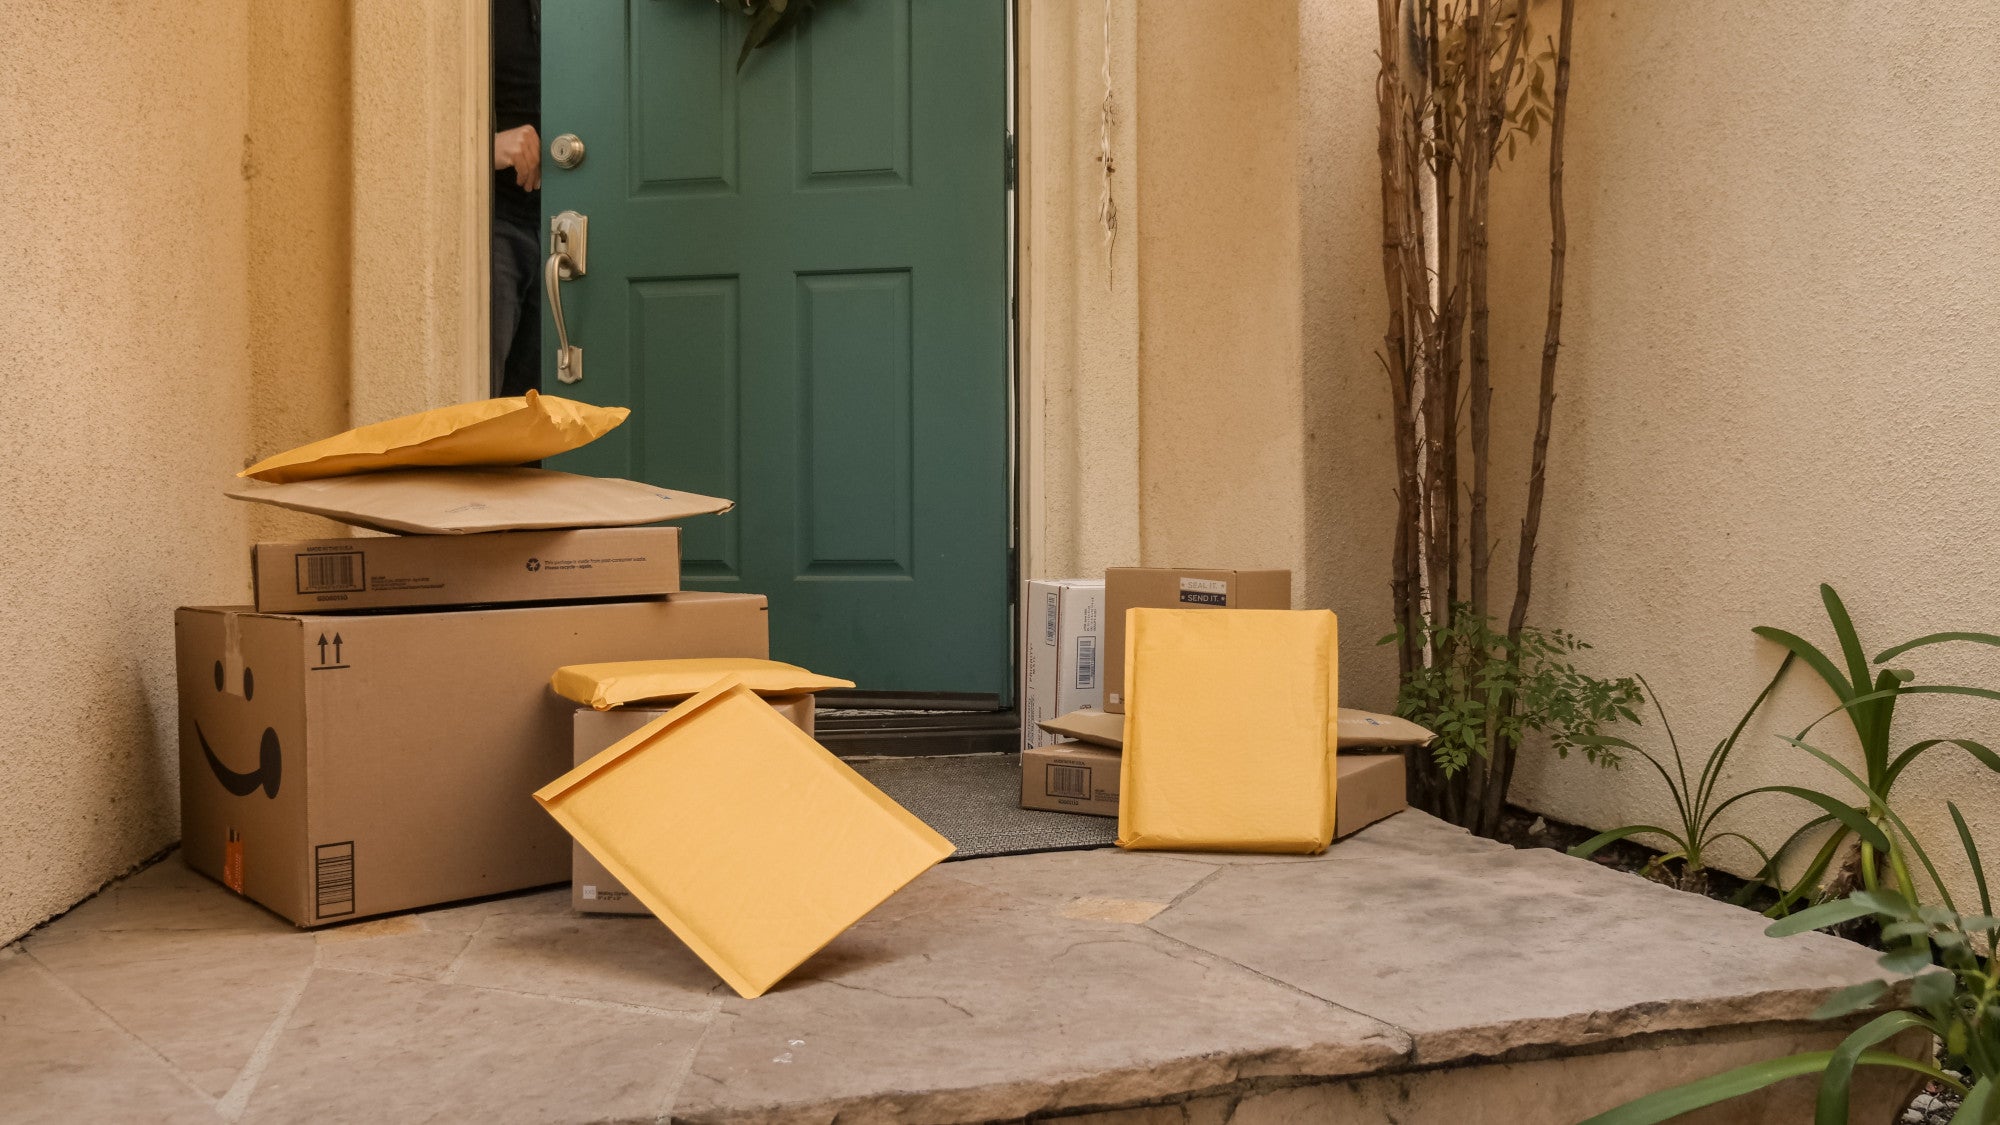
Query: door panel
798, 282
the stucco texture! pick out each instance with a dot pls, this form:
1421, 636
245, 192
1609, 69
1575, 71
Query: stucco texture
1782, 333
174, 312
1203, 394
129, 347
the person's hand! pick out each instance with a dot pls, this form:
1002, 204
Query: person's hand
520, 148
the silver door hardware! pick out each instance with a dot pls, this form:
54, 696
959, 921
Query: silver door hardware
569, 236
566, 150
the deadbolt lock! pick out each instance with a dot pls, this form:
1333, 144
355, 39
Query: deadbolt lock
566, 150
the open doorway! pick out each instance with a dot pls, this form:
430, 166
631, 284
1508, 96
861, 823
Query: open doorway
799, 278
514, 201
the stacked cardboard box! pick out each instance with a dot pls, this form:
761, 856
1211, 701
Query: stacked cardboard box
1076, 764
1061, 653
367, 736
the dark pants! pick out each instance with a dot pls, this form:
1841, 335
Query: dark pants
517, 308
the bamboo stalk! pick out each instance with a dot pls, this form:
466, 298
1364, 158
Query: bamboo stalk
1531, 519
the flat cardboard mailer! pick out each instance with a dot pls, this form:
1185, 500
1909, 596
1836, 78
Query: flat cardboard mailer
1062, 635
1077, 777
1356, 729
470, 501
404, 571
753, 844
1151, 587
338, 766
1230, 731
593, 888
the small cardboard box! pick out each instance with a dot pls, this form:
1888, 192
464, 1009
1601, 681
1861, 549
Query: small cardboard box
1357, 729
336, 767
1070, 777
1372, 787
1077, 777
593, 889
1149, 587
399, 571
1061, 633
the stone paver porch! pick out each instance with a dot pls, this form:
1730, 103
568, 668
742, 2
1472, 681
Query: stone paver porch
1411, 974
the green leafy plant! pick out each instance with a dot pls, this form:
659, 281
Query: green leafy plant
1959, 1005
1696, 805
1485, 691
1869, 699
768, 20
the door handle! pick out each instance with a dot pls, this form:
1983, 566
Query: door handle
568, 241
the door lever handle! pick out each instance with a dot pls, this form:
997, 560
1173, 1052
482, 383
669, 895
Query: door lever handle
568, 234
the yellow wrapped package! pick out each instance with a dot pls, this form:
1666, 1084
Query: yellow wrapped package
604, 686
753, 844
493, 431
1231, 730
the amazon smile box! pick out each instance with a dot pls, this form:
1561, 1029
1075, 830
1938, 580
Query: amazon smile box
338, 766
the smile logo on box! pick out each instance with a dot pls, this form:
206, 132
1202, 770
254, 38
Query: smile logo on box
270, 757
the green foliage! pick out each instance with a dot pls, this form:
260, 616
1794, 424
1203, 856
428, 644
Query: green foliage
1695, 801
1944, 956
1484, 689
768, 20
1869, 699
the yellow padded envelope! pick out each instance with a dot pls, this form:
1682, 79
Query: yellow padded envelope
750, 841
1230, 730
487, 431
604, 686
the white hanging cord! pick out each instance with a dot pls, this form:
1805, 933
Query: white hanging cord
1107, 208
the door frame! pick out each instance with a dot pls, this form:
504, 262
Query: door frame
1074, 322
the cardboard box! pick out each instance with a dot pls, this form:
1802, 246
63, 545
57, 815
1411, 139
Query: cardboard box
593, 889
480, 500
1147, 587
336, 767
1371, 787
1356, 729
1062, 627
1070, 777
1077, 777
383, 572
745, 837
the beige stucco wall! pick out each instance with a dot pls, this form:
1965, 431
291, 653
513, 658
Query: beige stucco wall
128, 354
1204, 395
1349, 506
177, 309
1221, 389
1783, 338
297, 163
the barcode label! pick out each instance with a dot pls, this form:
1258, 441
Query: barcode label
334, 573
1086, 663
1049, 624
333, 879
1069, 781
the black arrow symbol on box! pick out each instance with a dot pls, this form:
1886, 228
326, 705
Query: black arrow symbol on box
322, 648
336, 648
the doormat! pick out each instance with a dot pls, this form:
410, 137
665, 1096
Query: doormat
974, 800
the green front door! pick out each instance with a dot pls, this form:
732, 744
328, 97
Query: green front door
797, 280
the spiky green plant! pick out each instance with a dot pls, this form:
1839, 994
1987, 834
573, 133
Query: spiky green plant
1946, 958
1696, 805
1869, 699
